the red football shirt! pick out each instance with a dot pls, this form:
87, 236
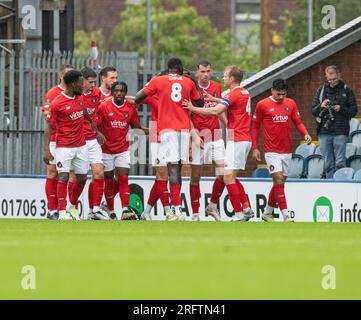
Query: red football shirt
173, 92
91, 102
207, 125
153, 128
276, 120
239, 115
103, 95
68, 115
114, 124
49, 97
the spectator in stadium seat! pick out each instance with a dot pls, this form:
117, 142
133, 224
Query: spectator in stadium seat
333, 106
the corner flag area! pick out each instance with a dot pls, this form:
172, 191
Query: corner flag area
44, 259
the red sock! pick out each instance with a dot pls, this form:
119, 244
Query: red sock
61, 191
77, 190
242, 193
116, 187
279, 191
272, 198
90, 195
175, 194
217, 190
98, 190
234, 197
50, 191
195, 193
109, 193
70, 188
163, 193
124, 191
153, 195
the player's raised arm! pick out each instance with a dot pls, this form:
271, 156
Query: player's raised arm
139, 97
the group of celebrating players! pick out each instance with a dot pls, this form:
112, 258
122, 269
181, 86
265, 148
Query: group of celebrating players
87, 125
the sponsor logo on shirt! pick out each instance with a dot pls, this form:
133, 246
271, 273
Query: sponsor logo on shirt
271, 110
280, 118
76, 115
68, 108
111, 114
118, 124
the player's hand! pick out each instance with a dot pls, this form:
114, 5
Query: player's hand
256, 154
211, 98
48, 157
100, 138
130, 99
308, 139
189, 106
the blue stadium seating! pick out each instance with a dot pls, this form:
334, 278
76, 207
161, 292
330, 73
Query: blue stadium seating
350, 149
305, 150
355, 138
354, 125
315, 166
357, 175
344, 174
261, 173
297, 166
354, 162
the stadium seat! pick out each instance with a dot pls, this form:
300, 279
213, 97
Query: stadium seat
350, 149
355, 138
354, 162
318, 151
261, 173
305, 150
354, 125
357, 175
344, 174
358, 150
315, 166
296, 166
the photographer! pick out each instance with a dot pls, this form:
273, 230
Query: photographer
333, 106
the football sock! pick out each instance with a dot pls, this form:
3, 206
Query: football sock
175, 192
98, 190
242, 193
279, 190
153, 195
61, 191
234, 197
195, 194
50, 191
77, 190
124, 191
109, 193
70, 188
217, 190
163, 194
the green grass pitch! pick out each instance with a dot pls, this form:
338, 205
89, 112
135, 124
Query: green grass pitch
160, 260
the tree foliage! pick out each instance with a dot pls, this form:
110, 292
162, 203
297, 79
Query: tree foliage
178, 30
82, 41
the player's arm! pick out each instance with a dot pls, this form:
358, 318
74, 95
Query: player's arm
100, 136
296, 118
47, 156
214, 111
139, 97
138, 126
256, 124
223, 118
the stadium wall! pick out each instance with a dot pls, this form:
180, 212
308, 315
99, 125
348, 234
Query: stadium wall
310, 200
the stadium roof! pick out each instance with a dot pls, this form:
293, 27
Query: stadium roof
306, 57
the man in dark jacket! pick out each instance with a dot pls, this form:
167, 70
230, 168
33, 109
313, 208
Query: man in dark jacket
333, 106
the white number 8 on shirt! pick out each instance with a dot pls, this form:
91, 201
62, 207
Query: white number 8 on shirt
176, 95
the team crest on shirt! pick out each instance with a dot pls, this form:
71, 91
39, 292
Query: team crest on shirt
59, 165
126, 114
94, 100
80, 102
287, 108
